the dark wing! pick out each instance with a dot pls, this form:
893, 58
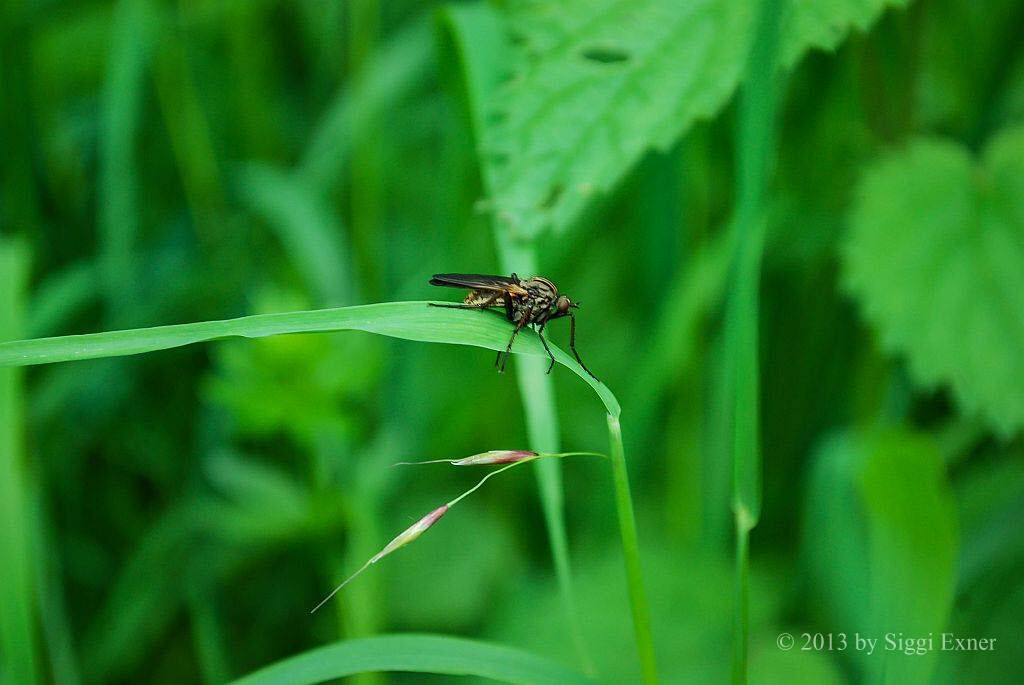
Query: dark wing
479, 282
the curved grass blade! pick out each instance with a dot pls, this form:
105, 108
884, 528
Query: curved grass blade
415, 653
407, 320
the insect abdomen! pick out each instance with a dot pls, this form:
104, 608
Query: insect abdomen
482, 296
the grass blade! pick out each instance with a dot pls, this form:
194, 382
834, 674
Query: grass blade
54, 618
60, 297
537, 395
754, 145
418, 654
191, 138
631, 551
477, 41
132, 44
143, 599
406, 320
305, 225
388, 76
17, 621
208, 635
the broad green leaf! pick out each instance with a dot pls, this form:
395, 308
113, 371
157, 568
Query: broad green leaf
596, 83
835, 536
881, 545
912, 547
407, 320
935, 256
991, 505
415, 653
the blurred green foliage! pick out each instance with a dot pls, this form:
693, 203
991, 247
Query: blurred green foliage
172, 517
964, 222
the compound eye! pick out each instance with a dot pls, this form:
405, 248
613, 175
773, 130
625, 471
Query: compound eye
563, 305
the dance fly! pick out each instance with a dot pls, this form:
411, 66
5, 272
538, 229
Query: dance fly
526, 302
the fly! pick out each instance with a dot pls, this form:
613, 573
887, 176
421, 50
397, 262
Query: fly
526, 302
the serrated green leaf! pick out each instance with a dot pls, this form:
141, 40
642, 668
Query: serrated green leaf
599, 82
935, 256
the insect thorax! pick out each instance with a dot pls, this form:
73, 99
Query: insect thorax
542, 293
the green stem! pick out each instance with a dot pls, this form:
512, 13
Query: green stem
486, 478
631, 552
741, 627
18, 639
513, 465
537, 394
755, 143
573, 454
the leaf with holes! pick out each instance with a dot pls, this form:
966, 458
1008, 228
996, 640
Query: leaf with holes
936, 257
596, 83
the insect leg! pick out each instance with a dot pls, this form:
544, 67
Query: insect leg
508, 349
540, 334
459, 306
572, 344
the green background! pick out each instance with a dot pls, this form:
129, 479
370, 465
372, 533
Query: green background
172, 517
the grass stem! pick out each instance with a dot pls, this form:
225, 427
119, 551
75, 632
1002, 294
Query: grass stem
741, 627
537, 394
631, 552
18, 639
755, 144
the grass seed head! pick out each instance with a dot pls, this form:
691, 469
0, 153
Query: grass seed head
495, 457
404, 538
411, 533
